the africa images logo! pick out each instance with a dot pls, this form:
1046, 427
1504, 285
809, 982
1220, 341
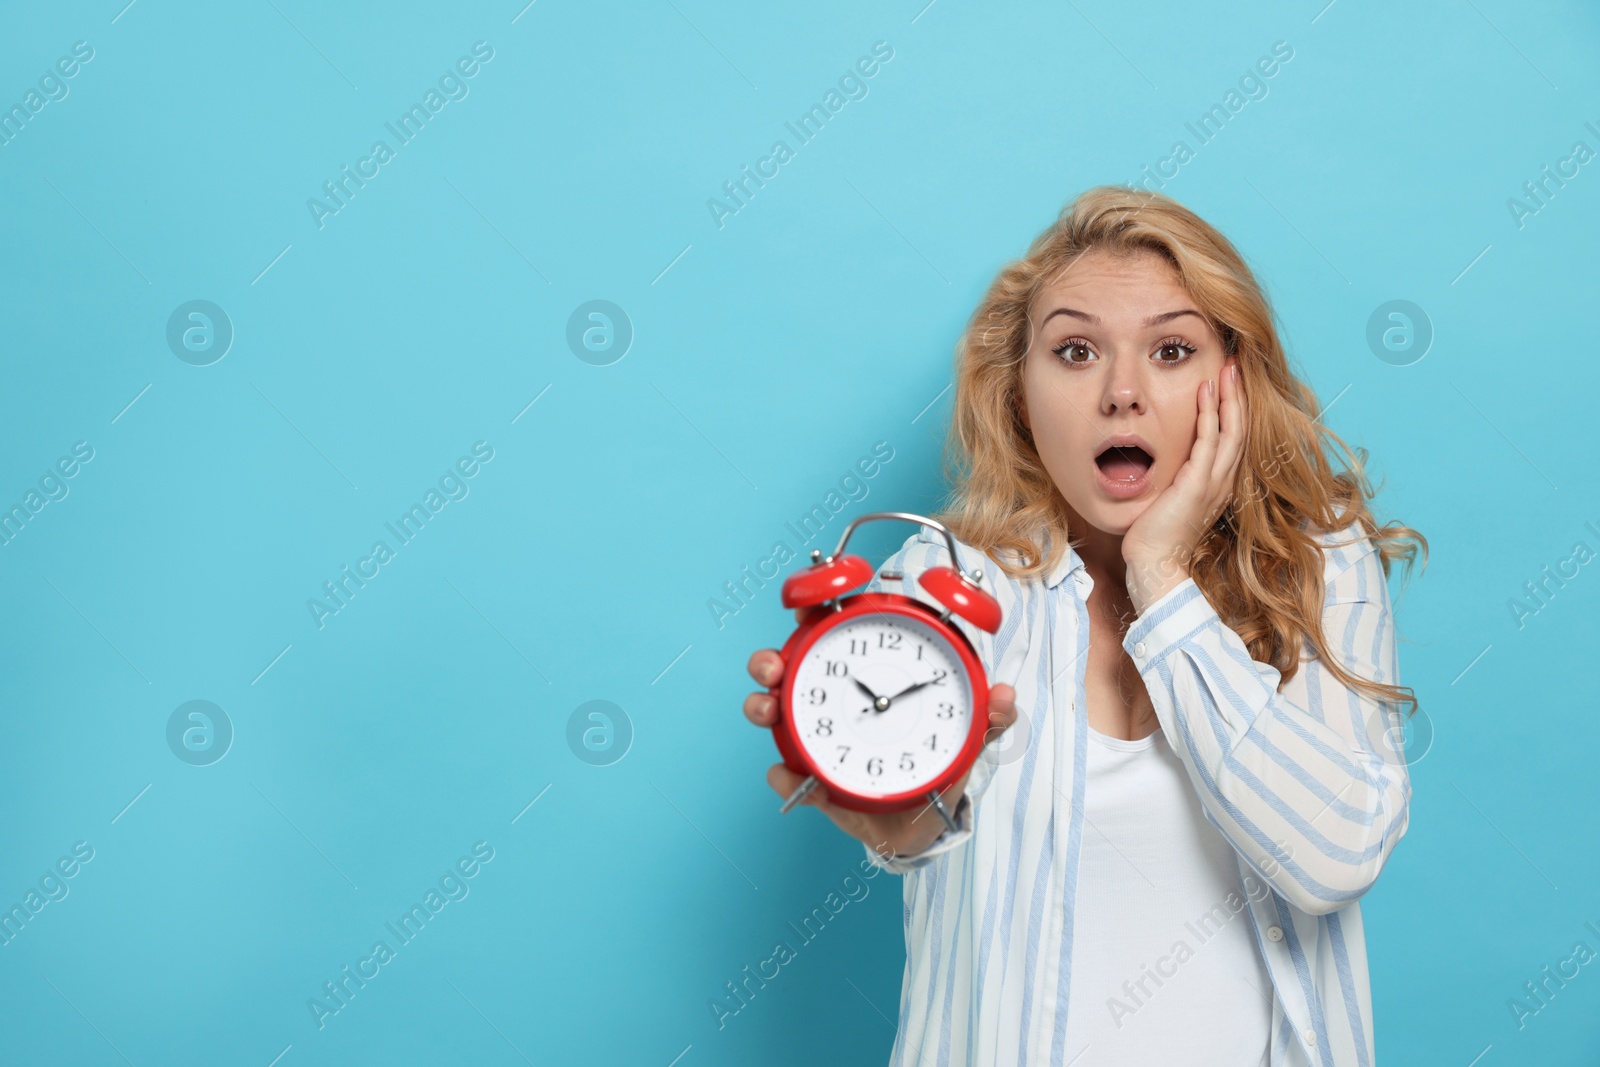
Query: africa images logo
453, 486
853, 487
453, 886
452, 85
852, 86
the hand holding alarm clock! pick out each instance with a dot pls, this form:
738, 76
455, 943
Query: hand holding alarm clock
878, 703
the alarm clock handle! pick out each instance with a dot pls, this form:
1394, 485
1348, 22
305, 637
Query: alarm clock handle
904, 516
802, 791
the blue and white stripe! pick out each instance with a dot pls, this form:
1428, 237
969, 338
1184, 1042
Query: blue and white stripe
1304, 783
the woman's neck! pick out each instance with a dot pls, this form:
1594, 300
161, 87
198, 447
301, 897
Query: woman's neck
1101, 553
1102, 558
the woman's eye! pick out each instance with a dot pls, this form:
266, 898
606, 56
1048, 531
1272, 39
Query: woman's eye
1180, 351
1066, 351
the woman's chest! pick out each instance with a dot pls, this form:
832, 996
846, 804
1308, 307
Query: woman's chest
1118, 704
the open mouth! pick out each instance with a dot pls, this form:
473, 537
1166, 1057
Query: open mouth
1124, 463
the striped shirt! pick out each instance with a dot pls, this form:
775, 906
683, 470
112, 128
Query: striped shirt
1305, 784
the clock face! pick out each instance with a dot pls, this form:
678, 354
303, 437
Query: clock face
882, 704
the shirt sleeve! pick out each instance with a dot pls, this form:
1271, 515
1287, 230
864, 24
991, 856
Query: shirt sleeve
923, 550
1309, 785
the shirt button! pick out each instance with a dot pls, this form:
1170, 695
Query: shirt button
1274, 933
1138, 648
1310, 1035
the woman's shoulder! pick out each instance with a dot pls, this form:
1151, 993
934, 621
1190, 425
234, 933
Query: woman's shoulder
1347, 547
927, 547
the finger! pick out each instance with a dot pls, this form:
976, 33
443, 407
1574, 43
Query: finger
1232, 424
1210, 410
761, 708
766, 666
1202, 453
784, 782
1228, 413
1002, 709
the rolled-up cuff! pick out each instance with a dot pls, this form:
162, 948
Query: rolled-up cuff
1165, 624
899, 863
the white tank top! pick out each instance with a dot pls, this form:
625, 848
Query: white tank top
1164, 962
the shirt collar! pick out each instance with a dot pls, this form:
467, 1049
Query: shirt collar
1069, 562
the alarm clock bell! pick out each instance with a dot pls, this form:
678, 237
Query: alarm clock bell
870, 645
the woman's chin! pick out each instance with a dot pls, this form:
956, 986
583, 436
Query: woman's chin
1113, 517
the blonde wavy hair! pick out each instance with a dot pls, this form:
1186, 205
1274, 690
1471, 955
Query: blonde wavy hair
1260, 565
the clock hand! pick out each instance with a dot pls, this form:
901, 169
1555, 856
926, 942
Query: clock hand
879, 704
863, 687
913, 689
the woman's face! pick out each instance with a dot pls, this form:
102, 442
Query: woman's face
1117, 348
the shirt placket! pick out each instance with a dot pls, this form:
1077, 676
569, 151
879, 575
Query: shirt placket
1065, 610
1287, 997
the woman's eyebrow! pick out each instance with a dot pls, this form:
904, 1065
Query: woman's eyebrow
1094, 320
1156, 320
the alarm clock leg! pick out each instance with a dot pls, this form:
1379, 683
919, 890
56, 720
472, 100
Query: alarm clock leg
800, 793
937, 803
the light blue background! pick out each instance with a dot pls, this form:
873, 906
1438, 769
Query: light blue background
769, 356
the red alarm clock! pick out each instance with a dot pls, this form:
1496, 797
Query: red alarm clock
883, 699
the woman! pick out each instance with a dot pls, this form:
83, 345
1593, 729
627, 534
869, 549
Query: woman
1199, 644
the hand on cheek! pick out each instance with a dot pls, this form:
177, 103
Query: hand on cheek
1158, 546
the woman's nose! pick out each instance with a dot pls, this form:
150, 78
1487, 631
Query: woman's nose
1124, 387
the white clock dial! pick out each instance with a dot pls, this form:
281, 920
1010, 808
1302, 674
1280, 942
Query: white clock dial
882, 704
